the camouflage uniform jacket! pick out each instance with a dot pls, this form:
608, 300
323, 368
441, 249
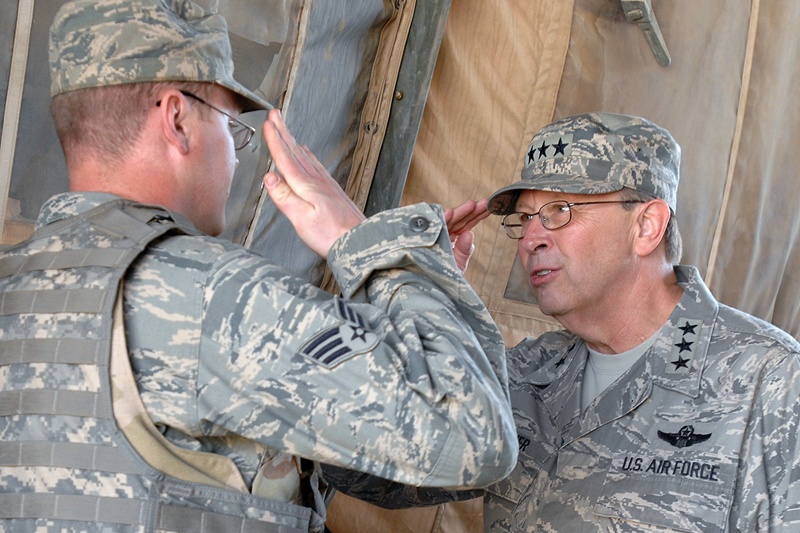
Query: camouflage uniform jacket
402, 377
701, 434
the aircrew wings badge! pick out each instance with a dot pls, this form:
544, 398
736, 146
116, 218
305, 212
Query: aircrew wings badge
342, 341
684, 437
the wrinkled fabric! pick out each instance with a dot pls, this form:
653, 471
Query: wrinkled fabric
99, 43
407, 387
701, 434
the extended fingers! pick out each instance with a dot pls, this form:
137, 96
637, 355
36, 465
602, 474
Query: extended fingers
466, 216
291, 159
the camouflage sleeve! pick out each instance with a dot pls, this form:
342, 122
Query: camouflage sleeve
403, 378
767, 494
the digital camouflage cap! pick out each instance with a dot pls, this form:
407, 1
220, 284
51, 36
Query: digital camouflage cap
597, 153
97, 43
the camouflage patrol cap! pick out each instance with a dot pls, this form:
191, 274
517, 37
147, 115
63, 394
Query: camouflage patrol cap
97, 43
597, 153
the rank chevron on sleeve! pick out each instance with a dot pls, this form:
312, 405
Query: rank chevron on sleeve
340, 342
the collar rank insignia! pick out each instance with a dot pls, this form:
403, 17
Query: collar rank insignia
683, 345
342, 341
684, 437
552, 146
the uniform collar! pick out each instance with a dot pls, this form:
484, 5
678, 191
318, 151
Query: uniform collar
679, 355
70, 204
676, 360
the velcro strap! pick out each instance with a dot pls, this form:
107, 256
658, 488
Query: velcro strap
102, 510
123, 224
54, 301
75, 455
53, 402
56, 351
50, 260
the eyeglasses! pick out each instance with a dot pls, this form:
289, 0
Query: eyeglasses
241, 132
552, 215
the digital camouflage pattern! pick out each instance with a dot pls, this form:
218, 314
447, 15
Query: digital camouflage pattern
402, 377
700, 435
597, 153
97, 43
67, 463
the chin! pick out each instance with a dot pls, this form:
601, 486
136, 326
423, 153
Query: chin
550, 309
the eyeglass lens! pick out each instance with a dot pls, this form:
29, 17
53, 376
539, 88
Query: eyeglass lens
241, 135
241, 132
552, 215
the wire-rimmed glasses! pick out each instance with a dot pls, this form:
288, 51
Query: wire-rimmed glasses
552, 215
242, 133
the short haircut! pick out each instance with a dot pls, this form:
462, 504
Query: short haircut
107, 121
672, 236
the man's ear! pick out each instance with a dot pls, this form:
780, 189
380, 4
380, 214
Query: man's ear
652, 224
173, 118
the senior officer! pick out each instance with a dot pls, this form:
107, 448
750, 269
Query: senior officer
657, 406
157, 378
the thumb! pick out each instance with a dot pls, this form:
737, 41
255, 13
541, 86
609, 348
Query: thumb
463, 249
278, 189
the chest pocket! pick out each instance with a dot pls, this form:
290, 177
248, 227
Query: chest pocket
683, 491
533, 457
539, 441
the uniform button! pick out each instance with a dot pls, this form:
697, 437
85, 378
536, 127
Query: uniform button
419, 224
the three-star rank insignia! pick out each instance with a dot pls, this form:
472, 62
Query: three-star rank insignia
684, 344
552, 146
338, 343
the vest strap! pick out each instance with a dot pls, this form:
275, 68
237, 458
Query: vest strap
130, 512
66, 455
174, 518
104, 257
53, 402
125, 511
53, 301
55, 351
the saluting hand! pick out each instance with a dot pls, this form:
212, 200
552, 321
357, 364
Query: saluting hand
304, 191
460, 221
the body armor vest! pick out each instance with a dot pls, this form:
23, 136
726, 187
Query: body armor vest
77, 450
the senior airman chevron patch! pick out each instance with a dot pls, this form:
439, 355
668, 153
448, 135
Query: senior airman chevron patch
340, 342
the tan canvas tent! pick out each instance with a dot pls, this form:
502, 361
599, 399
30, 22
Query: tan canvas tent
408, 101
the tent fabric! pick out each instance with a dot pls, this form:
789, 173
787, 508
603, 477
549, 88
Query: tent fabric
507, 68
338, 94
495, 83
488, 97
725, 97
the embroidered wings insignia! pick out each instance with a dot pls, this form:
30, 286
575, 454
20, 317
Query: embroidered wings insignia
684, 437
